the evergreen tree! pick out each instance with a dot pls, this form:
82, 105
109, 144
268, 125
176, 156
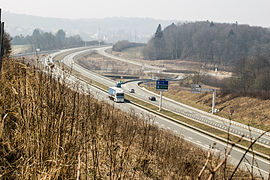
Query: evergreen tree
159, 33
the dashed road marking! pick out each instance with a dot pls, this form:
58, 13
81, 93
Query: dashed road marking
257, 168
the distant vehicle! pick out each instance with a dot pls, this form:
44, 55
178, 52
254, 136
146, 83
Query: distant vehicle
152, 98
116, 94
132, 91
118, 84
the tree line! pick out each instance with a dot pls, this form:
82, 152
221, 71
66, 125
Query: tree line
48, 41
122, 45
215, 43
252, 78
244, 50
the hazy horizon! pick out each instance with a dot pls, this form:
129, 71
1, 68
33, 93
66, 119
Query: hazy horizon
254, 13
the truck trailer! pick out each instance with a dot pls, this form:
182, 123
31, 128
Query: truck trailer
116, 94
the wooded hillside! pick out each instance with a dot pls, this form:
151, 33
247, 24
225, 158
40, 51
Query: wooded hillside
209, 42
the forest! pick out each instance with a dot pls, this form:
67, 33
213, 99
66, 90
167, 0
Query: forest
242, 49
48, 41
215, 43
122, 45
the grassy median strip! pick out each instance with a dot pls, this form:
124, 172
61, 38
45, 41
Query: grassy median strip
213, 131
176, 117
177, 99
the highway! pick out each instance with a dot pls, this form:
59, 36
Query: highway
145, 66
193, 113
198, 138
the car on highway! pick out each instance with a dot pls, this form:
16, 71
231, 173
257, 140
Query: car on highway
152, 98
132, 91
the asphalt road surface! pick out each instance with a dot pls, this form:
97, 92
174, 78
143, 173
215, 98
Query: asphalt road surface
200, 139
193, 113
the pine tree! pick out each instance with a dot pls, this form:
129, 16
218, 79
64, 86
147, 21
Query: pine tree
159, 33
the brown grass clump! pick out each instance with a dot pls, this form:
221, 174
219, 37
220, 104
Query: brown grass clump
48, 131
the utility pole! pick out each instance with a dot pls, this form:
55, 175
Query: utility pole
1, 40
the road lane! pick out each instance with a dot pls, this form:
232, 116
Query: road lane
203, 117
193, 135
190, 112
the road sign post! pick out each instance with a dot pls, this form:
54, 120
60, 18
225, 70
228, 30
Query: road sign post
214, 101
160, 102
197, 89
161, 85
231, 112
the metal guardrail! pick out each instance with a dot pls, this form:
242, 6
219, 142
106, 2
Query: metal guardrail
184, 124
34, 53
177, 121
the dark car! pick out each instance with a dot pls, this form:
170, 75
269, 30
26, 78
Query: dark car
152, 98
132, 91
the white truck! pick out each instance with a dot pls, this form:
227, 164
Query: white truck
116, 94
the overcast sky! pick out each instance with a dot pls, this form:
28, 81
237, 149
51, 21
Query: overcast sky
253, 12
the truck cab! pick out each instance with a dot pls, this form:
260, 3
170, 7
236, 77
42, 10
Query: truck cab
118, 84
116, 94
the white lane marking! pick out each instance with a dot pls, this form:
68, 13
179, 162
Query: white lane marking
216, 150
221, 143
241, 151
199, 142
257, 168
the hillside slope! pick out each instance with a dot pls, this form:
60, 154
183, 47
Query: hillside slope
48, 131
208, 42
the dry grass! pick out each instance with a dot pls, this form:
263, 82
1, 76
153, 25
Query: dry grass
103, 65
206, 128
16, 49
250, 111
174, 66
48, 131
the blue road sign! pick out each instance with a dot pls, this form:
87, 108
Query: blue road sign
162, 85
